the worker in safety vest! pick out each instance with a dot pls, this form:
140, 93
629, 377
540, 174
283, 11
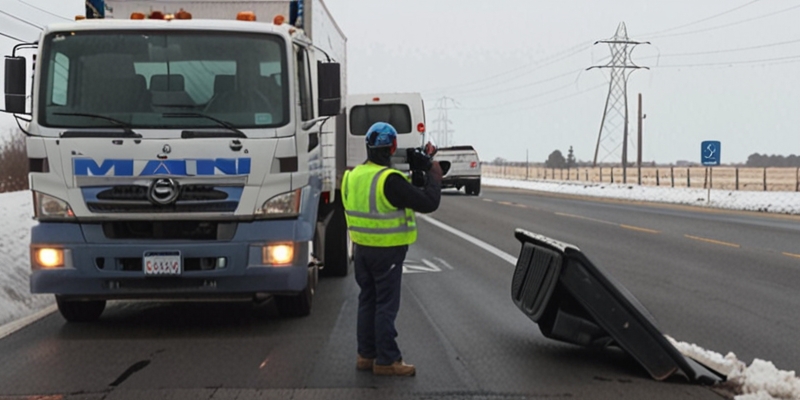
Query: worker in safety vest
379, 203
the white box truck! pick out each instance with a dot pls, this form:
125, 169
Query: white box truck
185, 150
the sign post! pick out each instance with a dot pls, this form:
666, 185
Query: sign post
710, 156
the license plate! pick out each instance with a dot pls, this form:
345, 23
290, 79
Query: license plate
162, 263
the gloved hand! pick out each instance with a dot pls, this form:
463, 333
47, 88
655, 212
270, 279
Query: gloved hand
430, 149
435, 172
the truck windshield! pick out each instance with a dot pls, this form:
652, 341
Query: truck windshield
140, 78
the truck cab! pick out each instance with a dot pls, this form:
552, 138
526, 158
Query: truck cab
180, 159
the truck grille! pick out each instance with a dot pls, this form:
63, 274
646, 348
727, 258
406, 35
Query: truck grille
173, 230
139, 193
225, 206
193, 198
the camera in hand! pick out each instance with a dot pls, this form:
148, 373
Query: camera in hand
418, 160
414, 160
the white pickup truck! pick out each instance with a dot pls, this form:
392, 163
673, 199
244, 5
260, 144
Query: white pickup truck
463, 168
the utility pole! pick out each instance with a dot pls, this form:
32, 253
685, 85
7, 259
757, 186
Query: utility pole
615, 114
443, 134
639, 144
527, 165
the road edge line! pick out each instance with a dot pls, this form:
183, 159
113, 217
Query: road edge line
14, 326
472, 239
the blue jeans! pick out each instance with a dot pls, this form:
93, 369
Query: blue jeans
378, 271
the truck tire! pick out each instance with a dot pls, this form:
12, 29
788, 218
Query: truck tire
337, 244
476, 188
80, 310
298, 305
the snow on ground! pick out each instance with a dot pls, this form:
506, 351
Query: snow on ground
772, 202
15, 226
758, 381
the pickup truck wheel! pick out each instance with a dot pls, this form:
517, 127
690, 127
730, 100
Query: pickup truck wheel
80, 310
476, 188
298, 305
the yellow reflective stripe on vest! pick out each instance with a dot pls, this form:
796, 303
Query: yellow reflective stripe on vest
371, 219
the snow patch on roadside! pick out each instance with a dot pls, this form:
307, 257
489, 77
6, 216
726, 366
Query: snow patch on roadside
15, 296
759, 381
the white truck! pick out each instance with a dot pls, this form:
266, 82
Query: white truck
405, 111
185, 150
463, 168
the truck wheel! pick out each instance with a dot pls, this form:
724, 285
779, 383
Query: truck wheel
298, 305
337, 244
80, 310
476, 188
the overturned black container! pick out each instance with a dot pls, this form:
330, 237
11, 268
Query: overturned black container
574, 301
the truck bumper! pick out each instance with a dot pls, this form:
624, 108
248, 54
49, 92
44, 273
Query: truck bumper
112, 269
460, 181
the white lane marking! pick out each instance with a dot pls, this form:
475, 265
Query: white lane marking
411, 267
480, 243
14, 326
443, 262
433, 267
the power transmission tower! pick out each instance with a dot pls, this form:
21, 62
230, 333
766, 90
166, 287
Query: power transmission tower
614, 125
442, 134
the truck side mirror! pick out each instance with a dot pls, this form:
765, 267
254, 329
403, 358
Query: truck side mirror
329, 88
15, 85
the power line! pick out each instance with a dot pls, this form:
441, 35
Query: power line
527, 85
43, 10
494, 86
566, 54
732, 50
702, 19
535, 83
21, 20
728, 24
12, 37
547, 103
711, 64
560, 88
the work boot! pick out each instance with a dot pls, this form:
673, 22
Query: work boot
364, 364
399, 368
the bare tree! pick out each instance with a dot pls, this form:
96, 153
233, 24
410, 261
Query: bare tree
14, 164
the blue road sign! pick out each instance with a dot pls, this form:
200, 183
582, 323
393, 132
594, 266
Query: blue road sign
710, 152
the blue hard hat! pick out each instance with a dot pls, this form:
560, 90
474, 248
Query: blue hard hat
381, 134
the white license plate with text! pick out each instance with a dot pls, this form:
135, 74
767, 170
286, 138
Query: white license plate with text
162, 263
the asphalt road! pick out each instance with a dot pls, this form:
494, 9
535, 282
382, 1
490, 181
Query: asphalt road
725, 281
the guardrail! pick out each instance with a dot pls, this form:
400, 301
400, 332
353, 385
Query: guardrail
782, 179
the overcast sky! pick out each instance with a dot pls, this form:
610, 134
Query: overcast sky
720, 70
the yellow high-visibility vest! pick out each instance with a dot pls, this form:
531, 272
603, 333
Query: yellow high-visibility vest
371, 219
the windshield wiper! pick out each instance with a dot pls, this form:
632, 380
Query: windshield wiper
126, 129
197, 134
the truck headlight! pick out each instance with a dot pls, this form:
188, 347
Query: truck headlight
46, 207
278, 254
281, 206
48, 257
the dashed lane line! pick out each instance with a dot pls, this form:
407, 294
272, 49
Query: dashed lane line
638, 229
707, 240
586, 218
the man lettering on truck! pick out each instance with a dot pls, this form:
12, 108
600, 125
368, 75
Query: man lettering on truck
379, 203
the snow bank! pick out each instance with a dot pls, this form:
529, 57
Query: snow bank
15, 298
